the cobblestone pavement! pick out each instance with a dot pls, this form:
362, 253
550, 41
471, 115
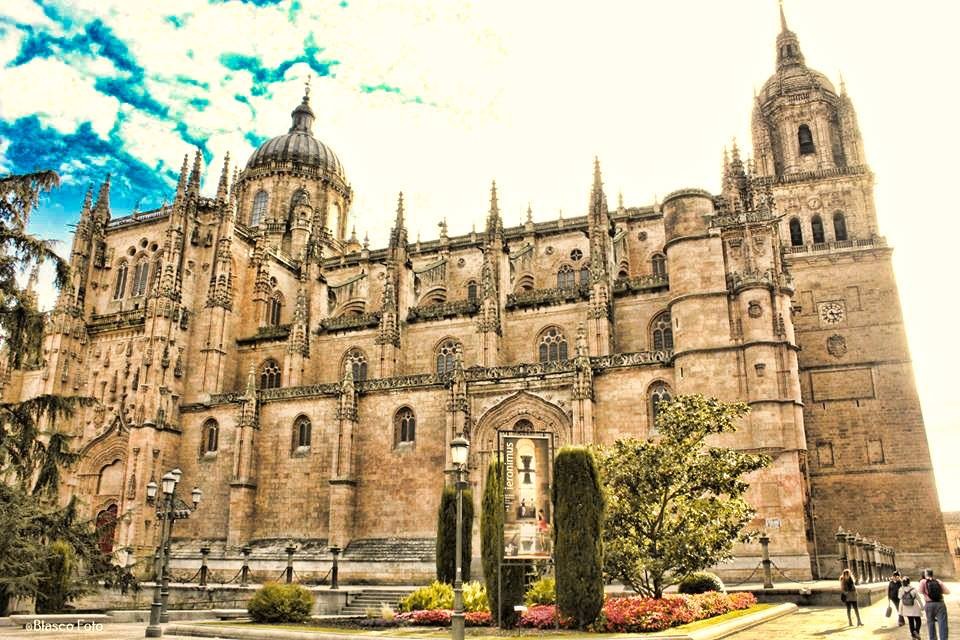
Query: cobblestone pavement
831, 622
106, 632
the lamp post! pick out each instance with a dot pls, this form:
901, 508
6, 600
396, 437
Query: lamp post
459, 449
168, 509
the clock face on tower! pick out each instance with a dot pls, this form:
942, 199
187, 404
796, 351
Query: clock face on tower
831, 312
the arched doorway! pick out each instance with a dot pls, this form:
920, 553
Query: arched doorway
524, 412
106, 526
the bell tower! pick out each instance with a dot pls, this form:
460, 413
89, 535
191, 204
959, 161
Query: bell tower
865, 438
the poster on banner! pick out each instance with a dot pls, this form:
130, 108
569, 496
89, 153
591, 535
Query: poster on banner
528, 513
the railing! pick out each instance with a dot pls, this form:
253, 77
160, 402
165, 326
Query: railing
350, 321
731, 219
815, 175
137, 218
442, 310
546, 297
267, 334
837, 245
650, 282
741, 279
118, 320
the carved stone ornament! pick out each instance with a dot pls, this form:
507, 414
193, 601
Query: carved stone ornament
548, 251
754, 310
814, 203
837, 346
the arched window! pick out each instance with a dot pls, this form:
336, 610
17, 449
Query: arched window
274, 308
121, 284
816, 224
839, 227
566, 278
140, 273
623, 274
659, 392
659, 264
552, 345
584, 275
472, 291
796, 233
523, 425
404, 426
299, 198
259, 209
301, 433
661, 332
209, 436
270, 375
106, 525
447, 356
357, 361
805, 139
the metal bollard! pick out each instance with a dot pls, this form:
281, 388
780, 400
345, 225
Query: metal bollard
335, 570
245, 569
204, 551
289, 571
765, 547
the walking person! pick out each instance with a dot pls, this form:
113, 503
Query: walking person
936, 611
848, 595
910, 607
893, 594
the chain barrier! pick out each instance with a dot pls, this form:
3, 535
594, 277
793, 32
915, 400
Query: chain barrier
780, 571
747, 579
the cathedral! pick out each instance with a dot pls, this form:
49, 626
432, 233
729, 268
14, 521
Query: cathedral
310, 385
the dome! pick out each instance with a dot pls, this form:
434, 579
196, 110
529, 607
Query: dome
793, 79
298, 145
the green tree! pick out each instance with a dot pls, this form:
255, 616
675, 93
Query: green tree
37, 529
578, 527
675, 504
511, 587
447, 532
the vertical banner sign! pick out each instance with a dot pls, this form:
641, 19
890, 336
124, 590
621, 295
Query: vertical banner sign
528, 513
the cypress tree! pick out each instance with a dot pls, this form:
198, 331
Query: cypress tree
447, 532
491, 549
578, 508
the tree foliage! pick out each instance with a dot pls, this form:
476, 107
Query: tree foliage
46, 551
21, 323
578, 526
675, 504
447, 532
511, 587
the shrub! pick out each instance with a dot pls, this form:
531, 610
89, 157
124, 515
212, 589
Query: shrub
578, 526
54, 586
478, 619
543, 591
544, 616
491, 550
426, 617
275, 602
638, 615
475, 597
447, 532
701, 582
439, 595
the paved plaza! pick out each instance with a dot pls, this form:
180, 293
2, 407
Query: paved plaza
808, 622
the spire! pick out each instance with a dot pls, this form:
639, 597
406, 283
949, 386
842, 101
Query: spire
788, 45
102, 208
598, 201
494, 221
194, 185
529, 214
87, 206
222, 190
182, 181
398, 236
303, 116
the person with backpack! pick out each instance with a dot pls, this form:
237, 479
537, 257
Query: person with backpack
893, 594
848, 596
910, 607
936, 611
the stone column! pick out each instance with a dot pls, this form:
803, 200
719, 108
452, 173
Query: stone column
841, 537
861, 561
868, 548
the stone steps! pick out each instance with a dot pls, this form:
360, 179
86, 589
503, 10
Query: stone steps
391, 550
373, 599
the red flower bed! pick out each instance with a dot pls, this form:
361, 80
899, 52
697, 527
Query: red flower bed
634, 615
441, 618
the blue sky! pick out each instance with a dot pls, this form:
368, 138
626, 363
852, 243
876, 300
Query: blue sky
438, 98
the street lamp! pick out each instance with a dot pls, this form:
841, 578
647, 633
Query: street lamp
168, 509
459, 450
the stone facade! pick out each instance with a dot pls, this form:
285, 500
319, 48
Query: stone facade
310, 385
952, 521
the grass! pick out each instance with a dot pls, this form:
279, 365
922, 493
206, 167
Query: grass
485, 633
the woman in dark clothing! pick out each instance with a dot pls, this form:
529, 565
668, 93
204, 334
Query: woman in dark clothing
893, 594
848, 595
